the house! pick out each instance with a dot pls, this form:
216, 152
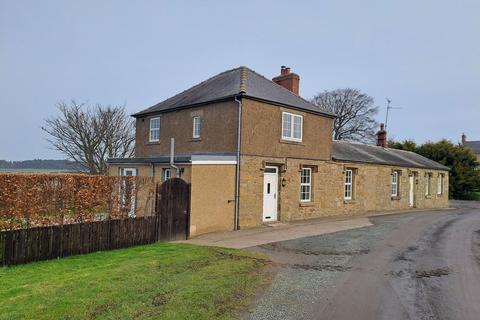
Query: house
254, 151
474, 146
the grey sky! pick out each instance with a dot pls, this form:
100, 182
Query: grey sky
424, 55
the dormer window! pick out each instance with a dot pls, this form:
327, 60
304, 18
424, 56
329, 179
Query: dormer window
292, 126
154, 129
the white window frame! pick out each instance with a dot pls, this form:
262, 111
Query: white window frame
348, 185
427, 184
440, 184
153, 130
197, 127
394, 191
167, 174
307, 185
291, 127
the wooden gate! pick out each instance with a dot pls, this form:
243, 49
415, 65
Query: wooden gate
173, 207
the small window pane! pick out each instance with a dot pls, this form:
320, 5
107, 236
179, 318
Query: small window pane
297, 127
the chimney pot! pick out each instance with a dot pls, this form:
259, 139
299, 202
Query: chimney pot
382, 137
288, 80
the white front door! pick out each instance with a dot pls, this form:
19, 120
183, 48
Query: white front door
270, 190
411, 195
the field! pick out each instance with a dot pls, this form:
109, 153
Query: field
158, 281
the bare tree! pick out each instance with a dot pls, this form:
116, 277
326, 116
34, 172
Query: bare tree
355, 114
90, 135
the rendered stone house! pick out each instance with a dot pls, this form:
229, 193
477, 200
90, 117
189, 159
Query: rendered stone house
254, 151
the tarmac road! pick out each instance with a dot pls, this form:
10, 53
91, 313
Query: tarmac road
423, 265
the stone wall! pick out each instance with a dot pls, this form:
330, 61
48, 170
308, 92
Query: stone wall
372, 189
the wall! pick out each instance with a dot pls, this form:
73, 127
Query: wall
218, 131
262, 132
372, 185
213, 192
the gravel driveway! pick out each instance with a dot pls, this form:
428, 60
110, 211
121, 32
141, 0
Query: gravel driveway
422, 265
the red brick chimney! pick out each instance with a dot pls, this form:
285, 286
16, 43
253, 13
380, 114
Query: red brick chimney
288, 80
382, 137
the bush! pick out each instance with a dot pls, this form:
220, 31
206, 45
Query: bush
29, 200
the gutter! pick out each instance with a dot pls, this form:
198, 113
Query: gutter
236, 226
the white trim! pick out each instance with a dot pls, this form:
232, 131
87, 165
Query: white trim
197, 127
214, 162
291, 137
394, 183
440, 184
350, 184
306, 184
156, 129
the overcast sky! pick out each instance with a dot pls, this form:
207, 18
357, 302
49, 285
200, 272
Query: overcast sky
423, 55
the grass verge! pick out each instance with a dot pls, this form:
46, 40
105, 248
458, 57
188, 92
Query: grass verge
159, 281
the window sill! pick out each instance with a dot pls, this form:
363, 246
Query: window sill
195, 139
298, 143
429, 196
395, 198
153, 142
306, 204
352, 201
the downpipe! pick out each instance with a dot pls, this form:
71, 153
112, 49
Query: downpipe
236, 225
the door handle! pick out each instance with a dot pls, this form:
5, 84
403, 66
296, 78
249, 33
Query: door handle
274, 196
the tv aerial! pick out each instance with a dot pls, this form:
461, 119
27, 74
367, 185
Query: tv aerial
389, 107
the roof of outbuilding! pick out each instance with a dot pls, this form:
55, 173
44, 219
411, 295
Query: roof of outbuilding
357, 152
473, 145
229, 84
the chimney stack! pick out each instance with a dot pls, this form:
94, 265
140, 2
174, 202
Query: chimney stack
464, 138
382, 137
288, 80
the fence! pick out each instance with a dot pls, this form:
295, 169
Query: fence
42, 243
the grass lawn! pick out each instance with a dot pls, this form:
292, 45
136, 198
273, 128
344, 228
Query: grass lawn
158, 281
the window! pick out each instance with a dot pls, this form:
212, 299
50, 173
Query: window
154, 129
348, 184
197, 126
167, 174
440, 184
394, 183
427, 184
292, 126
306, 185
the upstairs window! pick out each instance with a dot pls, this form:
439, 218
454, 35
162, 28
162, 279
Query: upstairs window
306, 185
197, 126
440, 184
154, 129
394, 192
348, 194
292, 126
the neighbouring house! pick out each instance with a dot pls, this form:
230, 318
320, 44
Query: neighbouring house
254, 151
474, 146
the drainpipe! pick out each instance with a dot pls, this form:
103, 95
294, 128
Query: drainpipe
236, 225
172, 154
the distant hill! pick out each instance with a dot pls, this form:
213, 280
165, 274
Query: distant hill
40, 164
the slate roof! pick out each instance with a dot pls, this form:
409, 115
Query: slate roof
357, 152
473, 145
227, 85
